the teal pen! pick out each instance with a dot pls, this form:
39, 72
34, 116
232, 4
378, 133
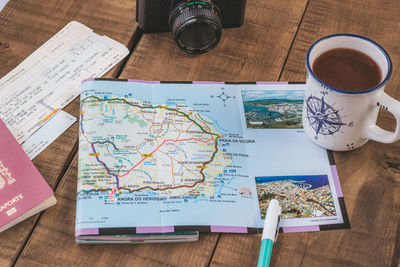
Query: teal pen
270, 232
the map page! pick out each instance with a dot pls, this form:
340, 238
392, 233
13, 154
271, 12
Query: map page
165, 157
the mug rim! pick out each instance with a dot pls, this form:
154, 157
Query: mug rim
388, 60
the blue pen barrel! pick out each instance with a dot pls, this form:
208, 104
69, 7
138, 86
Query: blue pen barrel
265, 253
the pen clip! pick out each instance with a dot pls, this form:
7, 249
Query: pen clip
277, 228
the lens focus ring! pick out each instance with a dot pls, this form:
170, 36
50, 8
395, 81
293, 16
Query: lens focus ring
194, 13
196, 30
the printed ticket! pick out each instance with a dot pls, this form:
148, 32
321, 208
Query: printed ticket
49, 132
50, 77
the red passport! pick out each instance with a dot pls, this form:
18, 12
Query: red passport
23, 190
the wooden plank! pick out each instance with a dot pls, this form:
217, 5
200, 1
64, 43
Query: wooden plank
370, 176
242, 250
254, 52
24, 26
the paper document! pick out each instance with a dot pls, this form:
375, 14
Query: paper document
49, 132
2, 4
50, 77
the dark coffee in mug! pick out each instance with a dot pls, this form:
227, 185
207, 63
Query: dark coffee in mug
343, 116
347, 69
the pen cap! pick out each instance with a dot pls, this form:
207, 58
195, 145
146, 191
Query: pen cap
271, 220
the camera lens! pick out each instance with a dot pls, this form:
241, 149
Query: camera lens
195, 25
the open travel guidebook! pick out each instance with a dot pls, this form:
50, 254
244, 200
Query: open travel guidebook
164, 157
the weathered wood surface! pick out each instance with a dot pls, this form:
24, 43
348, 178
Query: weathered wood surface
260, 50
255, 51
24, 26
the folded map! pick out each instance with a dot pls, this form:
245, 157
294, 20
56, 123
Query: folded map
200, 156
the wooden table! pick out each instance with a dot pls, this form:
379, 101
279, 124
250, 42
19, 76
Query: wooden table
270, 46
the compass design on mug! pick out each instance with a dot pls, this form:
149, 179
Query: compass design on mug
323, 118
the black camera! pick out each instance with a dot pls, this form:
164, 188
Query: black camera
195, 25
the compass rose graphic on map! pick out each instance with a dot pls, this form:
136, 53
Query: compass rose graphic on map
323, 118
223, 96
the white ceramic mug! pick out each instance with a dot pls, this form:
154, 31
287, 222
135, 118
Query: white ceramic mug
345, 120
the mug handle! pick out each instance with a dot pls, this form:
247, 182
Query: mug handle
375, 132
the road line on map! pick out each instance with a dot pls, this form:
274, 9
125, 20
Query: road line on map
163, 143
152, 107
